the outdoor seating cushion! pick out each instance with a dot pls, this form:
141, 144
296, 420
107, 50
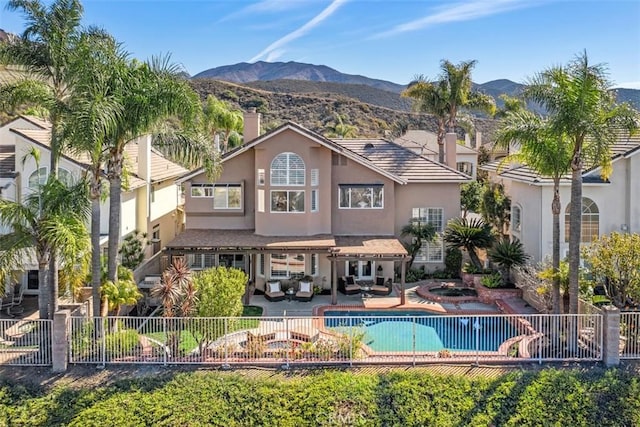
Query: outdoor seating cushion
353, 287
305, 287
274, 287
275, 294
377, 288
350, 280
301, 294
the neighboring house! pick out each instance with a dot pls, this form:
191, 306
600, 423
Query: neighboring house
150, 203
292, 203
425, 143
607, 205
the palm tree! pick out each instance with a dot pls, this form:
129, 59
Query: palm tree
149, 93
460, 93
431, 97
548, 155
340, 129
420, 232
508, 254
94, 109
45, 53
59, 229
122, 292
582, 109
470, 234
219, 119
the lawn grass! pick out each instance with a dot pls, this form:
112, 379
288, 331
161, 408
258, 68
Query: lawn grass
547, 397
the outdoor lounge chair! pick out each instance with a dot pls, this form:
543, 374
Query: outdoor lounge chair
381, 287
305, 293
348, 286
273, 292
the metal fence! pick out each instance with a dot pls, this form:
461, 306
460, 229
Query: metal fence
353, 339
630, 335
25, 342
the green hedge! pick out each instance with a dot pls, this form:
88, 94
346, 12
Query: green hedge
404, 398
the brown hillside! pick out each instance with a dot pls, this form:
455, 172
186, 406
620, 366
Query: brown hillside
316, 111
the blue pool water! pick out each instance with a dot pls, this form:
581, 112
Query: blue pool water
394, 330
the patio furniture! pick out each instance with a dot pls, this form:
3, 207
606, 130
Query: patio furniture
381, 286
348, 286
15, 299
305, 293
290, 293
273, 292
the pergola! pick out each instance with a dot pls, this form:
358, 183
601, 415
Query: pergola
339, 248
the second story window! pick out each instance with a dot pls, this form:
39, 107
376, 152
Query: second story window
287, 201
201, 190
287, 169
361, 196
227, 196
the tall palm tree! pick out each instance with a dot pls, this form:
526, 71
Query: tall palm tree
94, 110
45, 52
582, 109
149, 93
59, 228
219, 119
460, 91
431, 97
548, 155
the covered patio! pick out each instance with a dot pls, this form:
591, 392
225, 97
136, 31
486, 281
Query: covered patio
320, 255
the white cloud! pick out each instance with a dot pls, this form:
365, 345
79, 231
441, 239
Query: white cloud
317, 20
274, 55
456, 13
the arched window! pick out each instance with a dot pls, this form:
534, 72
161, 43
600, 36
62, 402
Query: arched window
590, 221
39, 177
287, 169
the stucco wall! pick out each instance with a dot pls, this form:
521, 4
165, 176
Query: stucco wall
362, 221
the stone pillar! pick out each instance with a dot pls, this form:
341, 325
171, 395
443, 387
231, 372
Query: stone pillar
610, 336
60, 341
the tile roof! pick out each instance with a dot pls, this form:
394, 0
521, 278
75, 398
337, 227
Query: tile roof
422, 139
161, 168
401, 161
625, 145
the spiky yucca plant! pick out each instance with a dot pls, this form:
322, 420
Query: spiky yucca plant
470, 234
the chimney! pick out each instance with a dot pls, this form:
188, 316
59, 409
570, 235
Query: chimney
478, 139
467, 139
144, 157
450, 149
251, 125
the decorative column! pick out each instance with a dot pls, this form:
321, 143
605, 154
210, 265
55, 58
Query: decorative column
60, 344
610, 335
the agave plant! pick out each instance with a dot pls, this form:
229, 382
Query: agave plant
508, 254
469, 234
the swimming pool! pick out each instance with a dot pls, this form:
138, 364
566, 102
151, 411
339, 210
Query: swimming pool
395, 330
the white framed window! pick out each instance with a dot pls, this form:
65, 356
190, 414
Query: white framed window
283, 266
260, 200
287, 169
39, 177
315, 177
314, 264
287, 201
314, 200
590, 228
516, 218
465, 167
201, 190
261, 178
232, 261
200, 261
431, 251
361, 196
261, 265
227, 196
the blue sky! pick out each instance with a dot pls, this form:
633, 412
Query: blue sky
391, 39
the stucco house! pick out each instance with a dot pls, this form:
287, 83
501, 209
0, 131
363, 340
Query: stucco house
150, 203
607, 205
292, 202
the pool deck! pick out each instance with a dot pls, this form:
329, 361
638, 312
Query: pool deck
412, 301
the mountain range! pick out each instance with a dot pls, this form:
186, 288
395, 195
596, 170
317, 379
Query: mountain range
321, 78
